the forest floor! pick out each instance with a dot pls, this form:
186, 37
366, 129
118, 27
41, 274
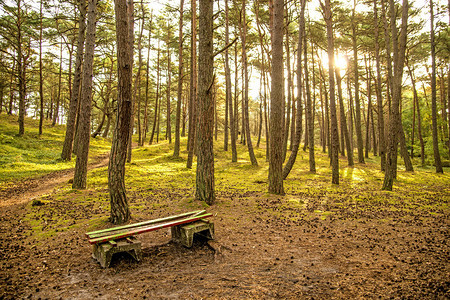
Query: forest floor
318, 241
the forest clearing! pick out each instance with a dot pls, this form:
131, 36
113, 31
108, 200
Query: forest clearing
318, 241
304, 144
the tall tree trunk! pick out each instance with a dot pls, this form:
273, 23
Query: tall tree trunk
138, 76
120, 212
21, 67
176, 151
394, 118
193, 87
369, 108
289, 95
147, 81
276, 102
228, 94
130, 7
58, 97
168, 87
84, 126
333, 117
344, 119
155, 119
437, 156
323, 132
298, 125
381, 137
309, 112
246, 87
41, 78
100, 125
66, 153
263, 67
359, 139
448, 103
205, 190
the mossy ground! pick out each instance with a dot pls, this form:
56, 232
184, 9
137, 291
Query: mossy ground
319, 240
33, 154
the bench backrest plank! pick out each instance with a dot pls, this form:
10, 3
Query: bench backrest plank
121, 232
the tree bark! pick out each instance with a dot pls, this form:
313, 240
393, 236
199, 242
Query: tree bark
298, 122
193, 87
168, 87
120, 212
359, 139
289, 85
228, 94
437, 156
394, 118
41, 78
276, 102
147, 81
155, 118
176, 151
73, 105
205, 190
344, 120
310, 115
58, 97
245, 108
84, 125
130, 10
333, 117
381, 136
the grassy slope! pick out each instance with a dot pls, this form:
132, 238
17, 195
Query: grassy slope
154, 176
31, 154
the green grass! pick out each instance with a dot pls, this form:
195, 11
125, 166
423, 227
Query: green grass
32, 155
158, 183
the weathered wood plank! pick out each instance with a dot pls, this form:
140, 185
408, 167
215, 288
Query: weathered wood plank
133, 230
108, 231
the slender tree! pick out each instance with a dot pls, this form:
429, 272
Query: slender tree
437, 156
157, 100
399, 47
310, 114
343, 119
334, 126
147, 80
176, 151
193, 87
120, 212
228, 89
204, 190
130, 11
246, 119
359, 138
276, 105
73, 105
380, 110
41, 77
299, 119
84, 125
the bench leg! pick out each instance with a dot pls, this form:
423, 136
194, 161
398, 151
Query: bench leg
104, 252
184, 234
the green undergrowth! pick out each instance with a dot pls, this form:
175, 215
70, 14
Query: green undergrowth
159, 185
33, 154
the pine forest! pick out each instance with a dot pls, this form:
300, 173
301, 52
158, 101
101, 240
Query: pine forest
265, 149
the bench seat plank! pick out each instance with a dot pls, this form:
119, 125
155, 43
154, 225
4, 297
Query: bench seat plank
117, 229
126, 231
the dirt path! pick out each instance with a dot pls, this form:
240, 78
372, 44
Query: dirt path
24, 191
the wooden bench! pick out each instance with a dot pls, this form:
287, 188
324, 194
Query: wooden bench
109, 241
